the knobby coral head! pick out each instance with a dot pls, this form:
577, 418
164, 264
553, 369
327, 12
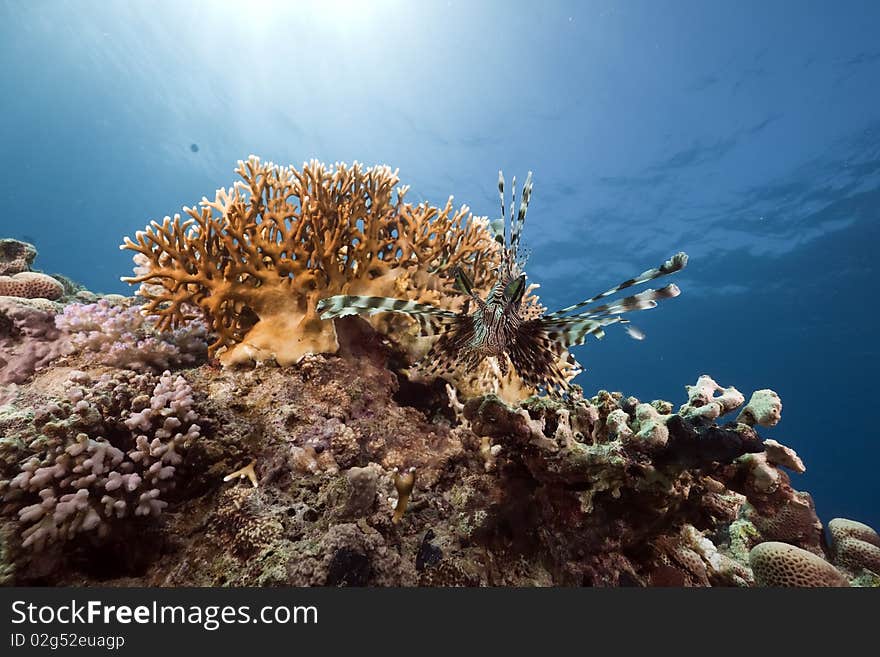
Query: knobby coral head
256, 259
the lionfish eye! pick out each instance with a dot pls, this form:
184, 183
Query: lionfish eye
515, 289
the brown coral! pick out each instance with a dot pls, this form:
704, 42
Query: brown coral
31, 285
855, 546
783, 565
257, 258
15, 256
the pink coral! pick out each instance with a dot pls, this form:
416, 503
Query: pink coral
121, 336
29, 338
110, 452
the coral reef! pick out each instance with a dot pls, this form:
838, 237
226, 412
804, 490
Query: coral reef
337, 471
256, 258
135, 460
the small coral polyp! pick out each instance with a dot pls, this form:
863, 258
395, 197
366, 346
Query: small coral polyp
256, 258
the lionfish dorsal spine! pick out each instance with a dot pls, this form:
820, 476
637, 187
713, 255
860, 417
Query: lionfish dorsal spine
517, 227
501, 197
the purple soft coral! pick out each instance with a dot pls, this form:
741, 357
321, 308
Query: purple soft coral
121, 336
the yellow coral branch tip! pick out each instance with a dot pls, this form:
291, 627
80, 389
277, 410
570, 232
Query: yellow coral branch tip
247, 472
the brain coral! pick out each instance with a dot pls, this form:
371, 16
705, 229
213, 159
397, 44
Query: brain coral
31, 285
783, 565
256, 258
855, 545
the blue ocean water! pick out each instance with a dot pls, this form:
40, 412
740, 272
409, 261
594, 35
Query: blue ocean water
745, 133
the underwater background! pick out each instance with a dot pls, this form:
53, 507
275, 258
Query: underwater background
746, 134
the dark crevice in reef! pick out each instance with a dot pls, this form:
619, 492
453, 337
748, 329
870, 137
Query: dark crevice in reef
348, 568
430, 399
132, 557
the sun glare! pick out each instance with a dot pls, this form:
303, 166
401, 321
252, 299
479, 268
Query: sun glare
344, 15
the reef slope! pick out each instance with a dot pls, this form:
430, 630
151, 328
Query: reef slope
602, 491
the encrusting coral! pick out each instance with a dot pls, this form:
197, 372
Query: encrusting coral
256, 258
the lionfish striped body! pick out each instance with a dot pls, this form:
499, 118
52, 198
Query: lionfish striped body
494, 326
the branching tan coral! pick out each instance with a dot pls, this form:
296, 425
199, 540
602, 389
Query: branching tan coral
257, 257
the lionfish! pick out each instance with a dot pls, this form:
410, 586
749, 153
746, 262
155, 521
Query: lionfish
537, 348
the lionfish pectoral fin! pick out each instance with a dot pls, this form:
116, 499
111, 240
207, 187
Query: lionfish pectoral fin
446, 355
431, 319
572, 331
536, 357
342, 304
644, 300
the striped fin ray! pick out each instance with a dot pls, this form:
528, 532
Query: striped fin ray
342, 305
512, 208
503, 216
644, 300
571, 331
536, 357
574, 330
674, 264
517, 226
